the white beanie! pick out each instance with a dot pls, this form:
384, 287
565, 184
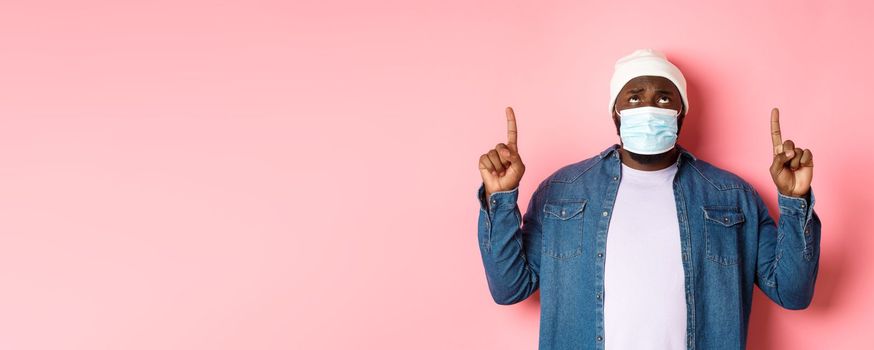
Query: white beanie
645, 62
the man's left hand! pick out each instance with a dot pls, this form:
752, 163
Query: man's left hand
792, 168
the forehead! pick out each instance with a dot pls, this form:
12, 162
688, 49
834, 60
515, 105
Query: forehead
650, 82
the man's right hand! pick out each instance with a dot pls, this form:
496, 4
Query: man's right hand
501, 167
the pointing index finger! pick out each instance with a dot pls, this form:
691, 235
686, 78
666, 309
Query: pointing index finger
776, 137
511, 126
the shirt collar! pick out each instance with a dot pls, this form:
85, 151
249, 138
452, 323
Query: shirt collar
615, 147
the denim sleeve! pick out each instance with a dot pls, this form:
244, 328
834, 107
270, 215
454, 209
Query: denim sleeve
788, 257
510, 243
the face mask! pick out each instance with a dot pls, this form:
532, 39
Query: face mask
648, 130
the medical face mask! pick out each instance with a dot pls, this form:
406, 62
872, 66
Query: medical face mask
648, 130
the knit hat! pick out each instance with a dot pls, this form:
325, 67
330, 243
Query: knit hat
645, 62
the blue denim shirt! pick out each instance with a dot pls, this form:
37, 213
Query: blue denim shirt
728, 243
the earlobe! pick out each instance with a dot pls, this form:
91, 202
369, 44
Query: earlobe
616, 122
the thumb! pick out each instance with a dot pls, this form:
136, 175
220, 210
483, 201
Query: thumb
780, 160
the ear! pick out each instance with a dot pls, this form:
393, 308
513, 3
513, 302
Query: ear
616, 121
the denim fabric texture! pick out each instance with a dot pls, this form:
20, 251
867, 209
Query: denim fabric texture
729, 242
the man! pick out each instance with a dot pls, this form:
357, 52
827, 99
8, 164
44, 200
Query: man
646, 246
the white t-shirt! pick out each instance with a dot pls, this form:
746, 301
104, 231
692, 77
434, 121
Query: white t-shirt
644, 294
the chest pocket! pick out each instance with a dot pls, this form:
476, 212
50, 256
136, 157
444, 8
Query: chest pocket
722, 230
563, 228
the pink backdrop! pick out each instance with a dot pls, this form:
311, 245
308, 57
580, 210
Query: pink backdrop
302, 175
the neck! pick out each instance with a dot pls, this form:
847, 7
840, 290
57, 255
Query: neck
669, 159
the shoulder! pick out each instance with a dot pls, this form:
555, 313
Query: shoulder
571, 172
721, 179
566, 174
717, 177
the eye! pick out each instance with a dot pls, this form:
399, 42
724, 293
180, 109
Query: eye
634, 99
664, 99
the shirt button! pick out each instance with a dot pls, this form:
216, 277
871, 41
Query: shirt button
604, 213
807, 231
598, 296
615, 178
802, 205
600, 255
724, 219
600, 338
493, 201
562, 212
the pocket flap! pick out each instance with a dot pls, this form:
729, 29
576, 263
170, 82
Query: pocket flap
564, 208
725, 216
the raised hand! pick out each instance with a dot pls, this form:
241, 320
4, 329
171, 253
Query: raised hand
792, 168
501, 168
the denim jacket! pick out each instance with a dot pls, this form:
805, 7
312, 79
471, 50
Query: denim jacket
728, 243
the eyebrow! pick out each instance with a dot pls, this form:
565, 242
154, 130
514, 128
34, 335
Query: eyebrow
666, 92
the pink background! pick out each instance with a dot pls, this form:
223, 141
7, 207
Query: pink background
275, 175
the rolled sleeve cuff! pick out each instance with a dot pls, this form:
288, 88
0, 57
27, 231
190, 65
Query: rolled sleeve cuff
499, 199
800, 206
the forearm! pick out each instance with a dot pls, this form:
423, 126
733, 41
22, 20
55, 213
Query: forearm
789, 277
510, 277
